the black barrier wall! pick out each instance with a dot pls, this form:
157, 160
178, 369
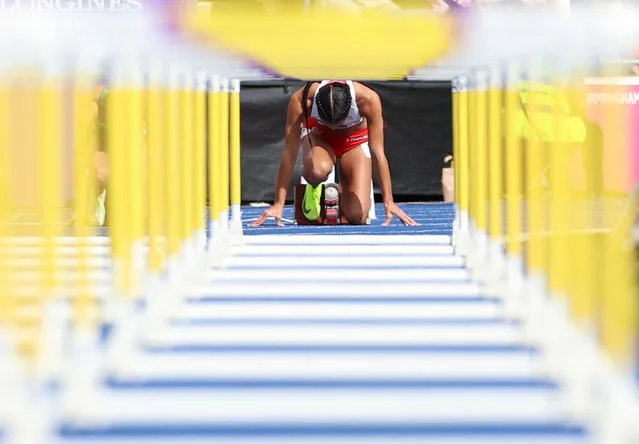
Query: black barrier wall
418, 118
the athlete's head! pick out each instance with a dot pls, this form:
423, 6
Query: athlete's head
333, 102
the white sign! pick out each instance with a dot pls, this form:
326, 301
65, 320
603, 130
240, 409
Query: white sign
70, 5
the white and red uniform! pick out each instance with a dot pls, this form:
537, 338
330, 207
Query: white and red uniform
340, 144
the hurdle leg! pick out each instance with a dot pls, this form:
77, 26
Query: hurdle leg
235, 164
214, 157
223, 134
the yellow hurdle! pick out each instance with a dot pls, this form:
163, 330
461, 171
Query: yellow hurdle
235, 162
223, 134
619, 317
224, 160
471, 153
455, 118
462, 166
156, 185
618, 294
167, 139
85, 306
479, 178
50, 111
7, 295
513, 193
534, 177
214, 156
585, 256
172, 176
187, 154
570, 268
560, 248
199, 160
135, 152
116, 141
533, 144
495, 174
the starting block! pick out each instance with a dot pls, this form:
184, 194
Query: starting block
330, 210
330, 213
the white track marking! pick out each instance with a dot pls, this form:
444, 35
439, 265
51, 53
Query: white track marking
254, 249
341, 250
345, 261
255, 365
356, 334
337, 406
435, 271
338, 310
363, 275
352, 439
345, 289
327, 239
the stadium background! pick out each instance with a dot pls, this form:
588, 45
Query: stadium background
418, 114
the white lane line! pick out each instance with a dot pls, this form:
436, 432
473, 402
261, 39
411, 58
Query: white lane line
400, 438
327, 239
338, 310
344, 261
331, 365
363, 275
356, 334
338, 250
336, 406
329, 288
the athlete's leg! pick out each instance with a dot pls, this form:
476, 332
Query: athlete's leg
318, 158
355, 172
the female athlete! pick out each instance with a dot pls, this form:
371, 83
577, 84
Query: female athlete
346, 123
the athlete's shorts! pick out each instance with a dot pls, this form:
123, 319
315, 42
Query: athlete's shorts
340, 144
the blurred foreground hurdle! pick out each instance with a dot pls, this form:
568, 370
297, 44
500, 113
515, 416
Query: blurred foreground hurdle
171, 135
540, 229
172, 140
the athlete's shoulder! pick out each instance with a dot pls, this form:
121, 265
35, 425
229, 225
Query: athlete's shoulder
365, 91
368, 100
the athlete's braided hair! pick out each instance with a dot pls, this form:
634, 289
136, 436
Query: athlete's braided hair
333, 102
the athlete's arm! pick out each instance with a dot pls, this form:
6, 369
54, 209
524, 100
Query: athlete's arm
287, 163
372, 110
291, 147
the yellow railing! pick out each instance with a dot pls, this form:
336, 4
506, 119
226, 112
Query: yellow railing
171, 137
539, 230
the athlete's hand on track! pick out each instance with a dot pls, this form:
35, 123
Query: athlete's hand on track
274, 211
393, 210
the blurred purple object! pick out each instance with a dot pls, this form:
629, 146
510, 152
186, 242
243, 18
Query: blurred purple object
458, 4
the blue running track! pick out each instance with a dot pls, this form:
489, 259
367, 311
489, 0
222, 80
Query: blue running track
386, 341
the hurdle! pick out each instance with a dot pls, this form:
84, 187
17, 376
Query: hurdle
561, 260
173, 205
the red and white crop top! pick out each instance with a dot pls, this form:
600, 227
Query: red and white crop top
353, 118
